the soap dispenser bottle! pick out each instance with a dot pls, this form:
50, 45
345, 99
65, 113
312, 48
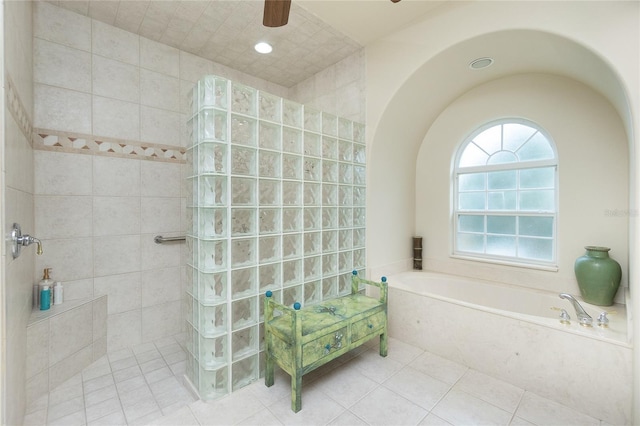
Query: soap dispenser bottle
45, 281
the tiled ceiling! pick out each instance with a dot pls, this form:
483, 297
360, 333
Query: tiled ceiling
226, 31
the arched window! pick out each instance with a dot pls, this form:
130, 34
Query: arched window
505, 194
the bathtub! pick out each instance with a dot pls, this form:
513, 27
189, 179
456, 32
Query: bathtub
514, 334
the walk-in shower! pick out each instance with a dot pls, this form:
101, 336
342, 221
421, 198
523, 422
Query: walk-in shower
276, 202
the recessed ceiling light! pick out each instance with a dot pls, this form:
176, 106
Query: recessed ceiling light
263, 47
480, 63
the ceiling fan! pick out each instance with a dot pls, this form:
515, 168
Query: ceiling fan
276, 12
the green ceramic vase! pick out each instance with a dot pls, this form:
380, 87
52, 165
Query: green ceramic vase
598, 276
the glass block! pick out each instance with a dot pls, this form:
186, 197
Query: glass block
359, 153
291, 140
269, 192
291, 193
191, 276
329, 241
312, 169
269, 164
244, 312
344, 284
345, 217
243, 222
311, 194
312, 243
312, 292
312, 219
329, 287
212, 92
243, 161
243, 99
345, 150
212, 158
192, 131
329, 218
312, 119
329, 195
359, 175
359, 216
269, 220
329, 124
359, 195
329, 264
291, 272
345, 261
244, 342
345, 173
192, 191
191, 245
291, 246
312, 268
213, 384
312, 146
291, 113
292, 295
345, 239
243, 252
359, 237
359, 259
212, 256
291, 167
212, 125
329, 171
213, 320
243, 191
345, 129
188, 339
269, 276
192, 226
188, 310
345, 195
358, 132
269, 249
243, 282
213, 352
329, 148
212, 191
192, 370
270, 107
212, 287
244, 372
243, 130
269, 136
291, 220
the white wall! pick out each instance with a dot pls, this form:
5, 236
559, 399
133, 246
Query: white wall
593, 173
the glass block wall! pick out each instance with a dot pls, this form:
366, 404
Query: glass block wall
277, 202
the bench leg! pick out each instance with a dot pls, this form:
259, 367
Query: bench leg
296, 391
269, 368
384, 344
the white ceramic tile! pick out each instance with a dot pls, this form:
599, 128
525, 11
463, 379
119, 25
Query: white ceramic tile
123, 364
65, 392
541, 411
62, 109
114, 419
160, 286
36, 386
70, 332
123, 291
116, 119
496, 392
346, 385
115, 255
161, 320
115, 79
37, 348
433, 420
127, 374
124, 330
160, 215
150, 355
159, 57
100, 396
103, 408
63, 216
180, 417
119, 354
99, 345
59, 173
383, 406
193, 68
98, 368
132, 383
100, 307
347, 419
159, 90
138, 403
402, 352
417, 387
36, 418
377, 368
70, 367
114, 43
116, 176
116, 215
62, 66
71, 259
228, 410
159, 126
18, 157
78, 289
462, 408
61, 26
438, 367
159, 179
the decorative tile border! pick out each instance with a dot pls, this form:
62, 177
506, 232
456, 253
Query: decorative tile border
17, 109
53, 140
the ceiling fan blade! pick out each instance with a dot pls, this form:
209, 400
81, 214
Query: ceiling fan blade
276, 13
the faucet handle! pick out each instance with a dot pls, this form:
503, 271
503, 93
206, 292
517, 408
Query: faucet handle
603, 321
564, 317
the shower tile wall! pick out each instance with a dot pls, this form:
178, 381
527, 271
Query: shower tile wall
276, 202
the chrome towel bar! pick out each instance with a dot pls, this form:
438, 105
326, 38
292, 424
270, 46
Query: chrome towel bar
159, 239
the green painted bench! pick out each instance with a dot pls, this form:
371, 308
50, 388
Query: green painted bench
301, 340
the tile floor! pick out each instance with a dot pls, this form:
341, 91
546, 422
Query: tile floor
142, 385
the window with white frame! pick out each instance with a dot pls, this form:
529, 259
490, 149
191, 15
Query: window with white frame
505, 195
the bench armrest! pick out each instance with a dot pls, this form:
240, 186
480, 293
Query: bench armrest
382, 286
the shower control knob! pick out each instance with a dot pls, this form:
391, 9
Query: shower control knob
564, 317
603, 321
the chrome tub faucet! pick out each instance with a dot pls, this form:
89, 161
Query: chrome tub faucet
583, 317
